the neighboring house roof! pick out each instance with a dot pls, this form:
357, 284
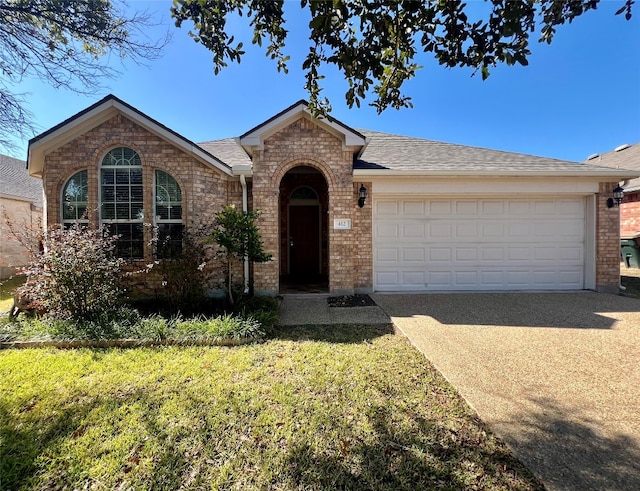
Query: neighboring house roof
98, 113
16, 183
623, 157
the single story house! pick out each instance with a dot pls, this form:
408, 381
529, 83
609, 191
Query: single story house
20, 206
349, 210
625, 157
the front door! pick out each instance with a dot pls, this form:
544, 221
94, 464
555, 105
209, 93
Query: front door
304, 241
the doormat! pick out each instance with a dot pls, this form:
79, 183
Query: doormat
358, 300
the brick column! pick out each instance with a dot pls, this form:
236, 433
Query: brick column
607, 241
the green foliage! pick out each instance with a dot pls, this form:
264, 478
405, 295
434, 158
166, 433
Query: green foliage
61, 42
183, 276
238, 237
76, 276
125, 323
223, 327
374, 42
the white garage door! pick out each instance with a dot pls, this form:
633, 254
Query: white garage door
478, 244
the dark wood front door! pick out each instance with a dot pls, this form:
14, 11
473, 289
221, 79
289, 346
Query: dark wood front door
304, 241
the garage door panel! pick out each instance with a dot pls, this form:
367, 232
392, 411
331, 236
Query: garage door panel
465, 244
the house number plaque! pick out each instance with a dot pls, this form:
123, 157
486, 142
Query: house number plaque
342, 223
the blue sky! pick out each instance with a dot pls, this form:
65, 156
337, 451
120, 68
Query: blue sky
578, 96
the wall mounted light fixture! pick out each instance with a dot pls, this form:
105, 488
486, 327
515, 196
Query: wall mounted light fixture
618, 194
362, 195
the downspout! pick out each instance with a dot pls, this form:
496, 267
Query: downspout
245, 206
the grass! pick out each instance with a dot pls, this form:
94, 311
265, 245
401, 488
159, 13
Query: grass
317, 408
7, 287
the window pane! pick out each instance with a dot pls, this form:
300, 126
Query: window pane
108, 176
130, 243
168, 197
175, 212
122, 176
75, 197
162, 212
136, 193
136, 176
108, 211
122, 211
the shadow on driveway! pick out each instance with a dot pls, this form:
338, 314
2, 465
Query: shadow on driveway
576, 310
554, 374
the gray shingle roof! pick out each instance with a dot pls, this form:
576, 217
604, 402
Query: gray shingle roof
626, 157
399, 153
227, 150
385, 151
17, 183
402, 153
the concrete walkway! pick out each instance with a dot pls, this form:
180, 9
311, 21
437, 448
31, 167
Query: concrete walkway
555, 375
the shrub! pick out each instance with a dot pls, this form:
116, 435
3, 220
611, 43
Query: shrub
76, 276
182, 273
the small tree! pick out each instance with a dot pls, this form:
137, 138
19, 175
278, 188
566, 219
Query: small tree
76, 276
238, 237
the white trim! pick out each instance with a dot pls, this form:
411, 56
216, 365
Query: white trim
98, 115
601, 174
590, 243
255, 138
483, 187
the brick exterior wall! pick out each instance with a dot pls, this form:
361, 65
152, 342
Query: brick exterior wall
630, 214
304, 143
204, 189
347, 255
24, 217
607, 241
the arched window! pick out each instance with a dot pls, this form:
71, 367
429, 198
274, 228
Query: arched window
304, 193
168, 215
74, 199
121, 203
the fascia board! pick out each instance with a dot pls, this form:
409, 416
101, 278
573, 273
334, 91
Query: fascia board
256, 137
599, 174
99, 115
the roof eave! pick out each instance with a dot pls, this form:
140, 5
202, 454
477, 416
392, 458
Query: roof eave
617, 176
98, 114
255, 137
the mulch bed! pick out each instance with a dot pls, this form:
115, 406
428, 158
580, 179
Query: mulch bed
358, 300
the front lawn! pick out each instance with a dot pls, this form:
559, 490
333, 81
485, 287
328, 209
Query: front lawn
314, 408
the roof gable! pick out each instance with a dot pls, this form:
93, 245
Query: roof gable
256, 136
99, 113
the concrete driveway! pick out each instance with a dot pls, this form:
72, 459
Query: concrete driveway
555, 375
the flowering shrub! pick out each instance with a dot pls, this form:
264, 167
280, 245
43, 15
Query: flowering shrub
76, 276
